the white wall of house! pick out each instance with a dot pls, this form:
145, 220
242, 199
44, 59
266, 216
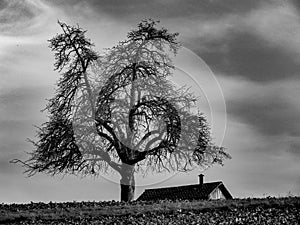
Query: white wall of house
216, 194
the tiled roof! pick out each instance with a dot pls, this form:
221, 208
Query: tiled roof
188, 192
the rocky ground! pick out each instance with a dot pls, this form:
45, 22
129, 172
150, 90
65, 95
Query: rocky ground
274, 211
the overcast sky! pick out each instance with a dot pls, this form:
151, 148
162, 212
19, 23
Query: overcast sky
250, 49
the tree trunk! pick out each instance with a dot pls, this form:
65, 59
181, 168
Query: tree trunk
127, 182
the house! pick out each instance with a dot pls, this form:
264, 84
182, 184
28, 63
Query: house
203, 191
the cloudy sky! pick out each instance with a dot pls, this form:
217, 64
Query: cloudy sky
250, 50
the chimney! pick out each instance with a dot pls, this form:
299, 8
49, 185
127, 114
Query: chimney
201, 179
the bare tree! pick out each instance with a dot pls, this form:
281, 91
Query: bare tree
120, 111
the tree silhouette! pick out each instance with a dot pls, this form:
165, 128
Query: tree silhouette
120, 111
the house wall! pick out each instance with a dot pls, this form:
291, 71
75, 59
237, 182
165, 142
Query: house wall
216, 194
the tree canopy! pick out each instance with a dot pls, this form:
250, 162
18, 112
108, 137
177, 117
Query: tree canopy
120, 110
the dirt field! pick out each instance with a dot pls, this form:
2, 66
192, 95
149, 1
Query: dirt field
275, 211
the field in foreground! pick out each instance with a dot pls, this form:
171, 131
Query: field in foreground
238, 211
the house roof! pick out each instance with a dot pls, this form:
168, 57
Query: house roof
188, 192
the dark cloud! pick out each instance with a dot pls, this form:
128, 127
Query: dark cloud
246, 55
294, 148
237, 52
167, 9
296, 4
270, 114
131, 9
3, 4
16, 16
